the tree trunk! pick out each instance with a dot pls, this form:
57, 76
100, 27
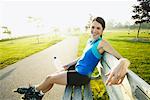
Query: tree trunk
138, 31
37, 38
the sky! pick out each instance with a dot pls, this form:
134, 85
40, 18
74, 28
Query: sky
60, 13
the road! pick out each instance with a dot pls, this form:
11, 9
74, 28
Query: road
35, 68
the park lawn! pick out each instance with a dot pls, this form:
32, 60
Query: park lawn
14, 50
137, 52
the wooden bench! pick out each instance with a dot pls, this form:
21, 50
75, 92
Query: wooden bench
82, 92
78, 92
132, 87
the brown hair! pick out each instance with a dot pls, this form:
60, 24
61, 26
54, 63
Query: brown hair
100, 20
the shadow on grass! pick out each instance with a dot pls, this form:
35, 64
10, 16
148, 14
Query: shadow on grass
6, 74
133, 37
127, 36
38, 43
133, 40
17, 38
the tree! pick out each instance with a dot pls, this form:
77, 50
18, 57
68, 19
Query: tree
142, 13
110, 24
56, 30
36, 22
119, 25
6, 30
89, 22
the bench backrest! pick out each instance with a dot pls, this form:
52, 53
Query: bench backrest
132, 87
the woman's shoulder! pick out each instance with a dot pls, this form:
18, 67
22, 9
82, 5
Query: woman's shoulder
104, 42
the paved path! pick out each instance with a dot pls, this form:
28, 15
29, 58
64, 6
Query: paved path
35, 68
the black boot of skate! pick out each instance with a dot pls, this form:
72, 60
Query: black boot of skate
29, 93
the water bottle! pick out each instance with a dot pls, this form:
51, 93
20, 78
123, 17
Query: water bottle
57, 63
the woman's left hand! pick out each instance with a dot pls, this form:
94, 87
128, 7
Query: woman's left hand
117, 74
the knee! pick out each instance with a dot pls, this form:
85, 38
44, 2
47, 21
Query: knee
50, 78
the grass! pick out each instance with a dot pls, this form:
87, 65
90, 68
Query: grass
137, 52
14, 50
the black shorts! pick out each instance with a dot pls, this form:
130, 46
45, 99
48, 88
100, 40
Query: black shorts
75, 78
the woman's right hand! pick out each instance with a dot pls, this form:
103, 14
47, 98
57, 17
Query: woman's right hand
63, 68
117, 74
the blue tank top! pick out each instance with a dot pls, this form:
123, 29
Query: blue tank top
89, 59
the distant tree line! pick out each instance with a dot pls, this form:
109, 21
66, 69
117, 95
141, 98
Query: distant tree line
143, 26
119, 25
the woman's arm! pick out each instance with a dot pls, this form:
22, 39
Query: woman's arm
117, 73
67, 66
71, 63
108, 48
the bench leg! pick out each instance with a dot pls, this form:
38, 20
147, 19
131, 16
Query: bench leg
76, 93
87, 92
68, 93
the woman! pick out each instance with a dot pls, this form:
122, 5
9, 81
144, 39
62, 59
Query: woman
81, 69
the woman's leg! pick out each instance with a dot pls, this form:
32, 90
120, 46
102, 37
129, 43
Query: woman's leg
56, 78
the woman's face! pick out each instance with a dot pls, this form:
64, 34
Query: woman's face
96, 30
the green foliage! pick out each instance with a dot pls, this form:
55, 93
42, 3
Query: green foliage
23, 47
141, 12
98, 88
143, 26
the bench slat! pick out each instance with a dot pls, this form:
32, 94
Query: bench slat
139, 87
116, 92
87, 92
141, 95
77, 93
110, 59
132, 87
68, 92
